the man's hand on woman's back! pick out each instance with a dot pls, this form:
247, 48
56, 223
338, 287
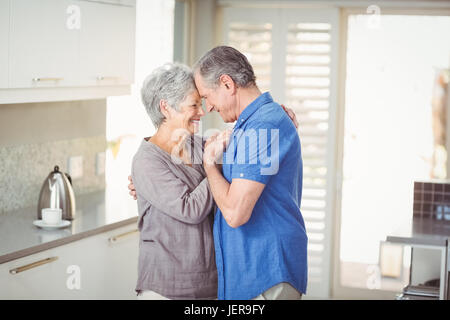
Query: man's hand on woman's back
291, 115
131, 188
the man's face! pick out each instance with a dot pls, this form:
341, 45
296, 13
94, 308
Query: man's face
220, 99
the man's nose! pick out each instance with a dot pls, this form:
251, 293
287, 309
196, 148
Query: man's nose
209, 108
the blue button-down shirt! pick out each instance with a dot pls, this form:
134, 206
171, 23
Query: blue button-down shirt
271, 247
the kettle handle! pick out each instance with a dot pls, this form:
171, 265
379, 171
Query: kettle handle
68, 177
56, 169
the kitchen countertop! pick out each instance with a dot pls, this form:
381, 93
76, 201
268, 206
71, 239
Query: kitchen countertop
96, 213
425, 231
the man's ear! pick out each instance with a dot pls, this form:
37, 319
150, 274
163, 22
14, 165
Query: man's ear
164, 108
227, 82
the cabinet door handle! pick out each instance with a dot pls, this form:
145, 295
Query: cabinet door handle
32, 265
122, 235
47, 79
100, 78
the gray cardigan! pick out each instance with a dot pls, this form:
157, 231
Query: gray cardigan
176, 212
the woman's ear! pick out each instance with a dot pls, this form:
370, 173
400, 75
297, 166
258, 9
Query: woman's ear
164, 108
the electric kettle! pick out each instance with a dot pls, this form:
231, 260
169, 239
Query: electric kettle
57, 192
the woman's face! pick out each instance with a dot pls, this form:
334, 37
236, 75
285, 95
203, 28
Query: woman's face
189, 113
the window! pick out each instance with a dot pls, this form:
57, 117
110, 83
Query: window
255, 42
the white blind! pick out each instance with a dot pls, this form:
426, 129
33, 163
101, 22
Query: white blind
255, 42
307, 92
293, 52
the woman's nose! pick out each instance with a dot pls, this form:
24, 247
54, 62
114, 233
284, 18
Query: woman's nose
201, 112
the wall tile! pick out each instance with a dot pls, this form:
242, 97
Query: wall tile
431, 199
23, 169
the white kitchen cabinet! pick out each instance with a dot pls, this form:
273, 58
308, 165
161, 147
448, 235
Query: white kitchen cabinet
61, 50
43, 49
105, 269
4, 42
106, 44
122, 262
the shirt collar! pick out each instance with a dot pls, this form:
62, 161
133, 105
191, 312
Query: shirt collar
252, 107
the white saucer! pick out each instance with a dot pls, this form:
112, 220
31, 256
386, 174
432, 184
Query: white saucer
41, 224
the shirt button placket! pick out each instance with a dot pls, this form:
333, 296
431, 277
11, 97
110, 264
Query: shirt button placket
219, 256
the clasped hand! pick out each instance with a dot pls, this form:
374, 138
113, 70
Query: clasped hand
214, 147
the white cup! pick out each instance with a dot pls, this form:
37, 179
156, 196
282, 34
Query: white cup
51, 216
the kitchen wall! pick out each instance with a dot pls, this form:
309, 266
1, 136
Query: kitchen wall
34, 137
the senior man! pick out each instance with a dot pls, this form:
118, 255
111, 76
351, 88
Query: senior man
259, 233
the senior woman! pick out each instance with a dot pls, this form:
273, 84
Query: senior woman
176, 250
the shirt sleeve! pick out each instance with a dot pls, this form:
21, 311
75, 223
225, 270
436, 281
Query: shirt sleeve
256, 152
157, 184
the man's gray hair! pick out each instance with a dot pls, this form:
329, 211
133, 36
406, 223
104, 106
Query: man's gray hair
225, 60
171, 82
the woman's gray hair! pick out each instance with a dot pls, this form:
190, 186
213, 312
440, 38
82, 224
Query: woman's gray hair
171, 82
225, 60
